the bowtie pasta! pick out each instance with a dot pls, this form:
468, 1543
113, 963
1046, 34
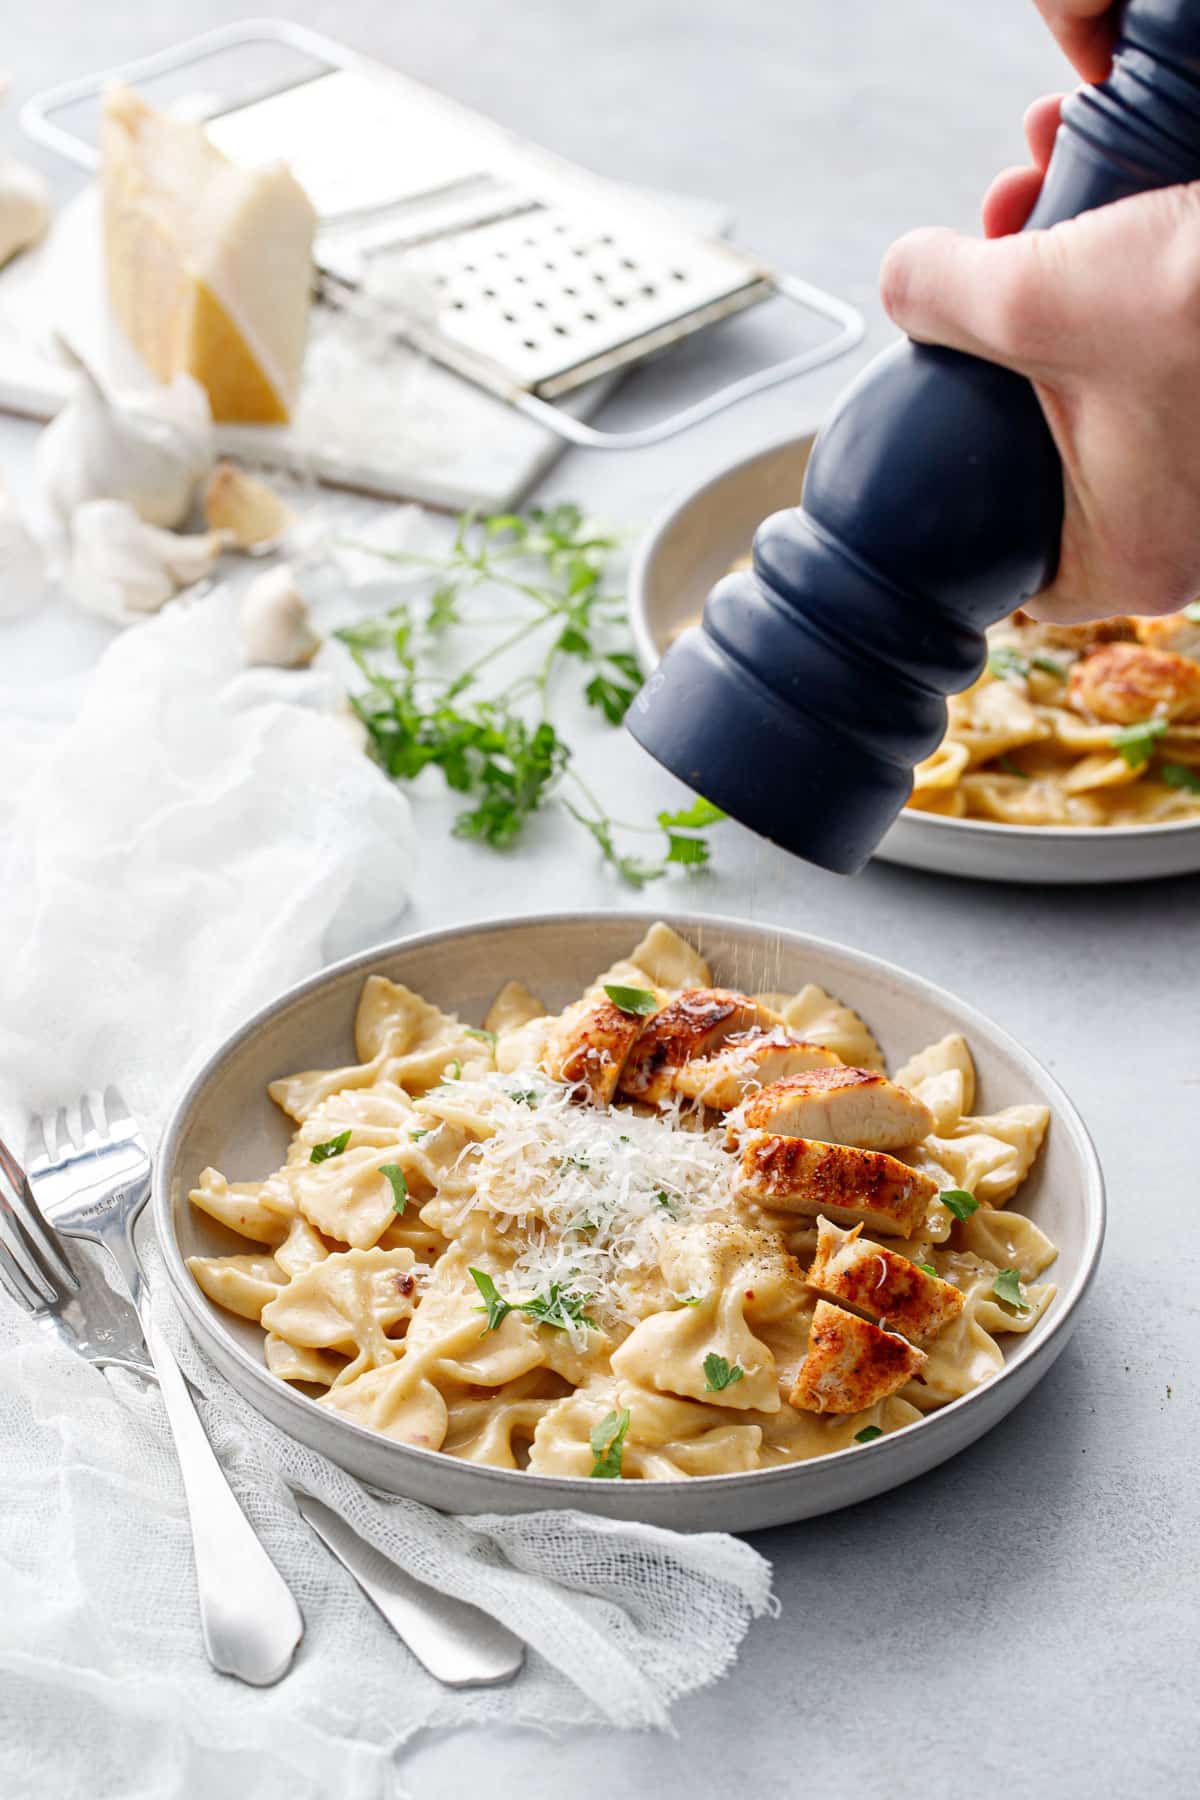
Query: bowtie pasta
1074, 725
673, 1230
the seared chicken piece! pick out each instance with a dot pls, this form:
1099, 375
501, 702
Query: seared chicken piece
878, 1282
851, 1364
838, 1106
855, 1187
1126, 683
748, 1062
588, 1046
1177, 631
696, 1023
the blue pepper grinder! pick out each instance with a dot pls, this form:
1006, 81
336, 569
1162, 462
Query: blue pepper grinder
932, 506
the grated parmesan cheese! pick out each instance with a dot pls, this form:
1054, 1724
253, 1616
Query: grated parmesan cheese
588, 1194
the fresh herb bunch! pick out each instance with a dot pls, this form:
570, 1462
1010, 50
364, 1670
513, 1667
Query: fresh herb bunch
501, 748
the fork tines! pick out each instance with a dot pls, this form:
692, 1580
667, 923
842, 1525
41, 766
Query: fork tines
32, 1266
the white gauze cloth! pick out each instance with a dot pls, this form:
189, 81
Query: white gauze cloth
192, 842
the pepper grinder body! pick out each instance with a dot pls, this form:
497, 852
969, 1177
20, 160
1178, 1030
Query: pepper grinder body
931, 508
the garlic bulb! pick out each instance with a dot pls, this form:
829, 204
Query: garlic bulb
246, 507
150, 449
23, 580
274, 622
122, 568
24, 208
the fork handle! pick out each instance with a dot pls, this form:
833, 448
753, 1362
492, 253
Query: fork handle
250, 1621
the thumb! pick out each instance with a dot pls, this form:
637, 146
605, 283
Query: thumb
986, 296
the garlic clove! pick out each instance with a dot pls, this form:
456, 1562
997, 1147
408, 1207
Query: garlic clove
274, 622
24, 208
122, 568
246, 507
150, 450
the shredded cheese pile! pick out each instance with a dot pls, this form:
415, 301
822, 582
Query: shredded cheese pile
588, 1192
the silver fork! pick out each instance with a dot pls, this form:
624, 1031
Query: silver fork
95, 1190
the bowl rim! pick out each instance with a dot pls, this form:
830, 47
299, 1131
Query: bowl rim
203, 1318
649, 656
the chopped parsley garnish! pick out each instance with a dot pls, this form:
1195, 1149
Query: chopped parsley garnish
961, 1205
638, 1002
1007, 664
523, 1096
719, 1374
928, 1269
416, 1136
1136, 742
454, 1071
331, 1147
497, 1310
396, 1176
868, 1434
668, 1205
477, 1031
1178, 775
690, 1299
607, 1440
1011, 768
1007, 1288
1048, 666
557, 1307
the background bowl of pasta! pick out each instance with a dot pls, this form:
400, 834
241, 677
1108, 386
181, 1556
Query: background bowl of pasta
1074, 758
587, 1210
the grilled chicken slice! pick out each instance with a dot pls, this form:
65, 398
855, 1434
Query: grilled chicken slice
589, 1045
854, 1187
873, 1280
838, 1106
696, 1023
851, 1363
1126, 683
750, 1061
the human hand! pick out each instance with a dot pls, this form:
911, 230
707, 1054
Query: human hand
1086, 30
1102, 313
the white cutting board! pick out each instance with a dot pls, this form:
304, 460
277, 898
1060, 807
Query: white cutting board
373, 415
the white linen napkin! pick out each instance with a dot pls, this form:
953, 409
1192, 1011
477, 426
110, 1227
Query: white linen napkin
191, 842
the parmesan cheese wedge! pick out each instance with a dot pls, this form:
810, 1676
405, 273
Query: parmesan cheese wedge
209, 265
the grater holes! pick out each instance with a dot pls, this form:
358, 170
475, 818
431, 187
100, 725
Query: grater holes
529, 343
561, 330
678, 275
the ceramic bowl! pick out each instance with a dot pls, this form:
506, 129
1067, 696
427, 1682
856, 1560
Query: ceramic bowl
689, 550
225, 1119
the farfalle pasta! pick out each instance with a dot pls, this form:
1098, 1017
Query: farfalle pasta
608, 1242
1074, 725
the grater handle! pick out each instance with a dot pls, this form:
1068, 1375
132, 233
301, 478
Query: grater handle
850, 330
37, 119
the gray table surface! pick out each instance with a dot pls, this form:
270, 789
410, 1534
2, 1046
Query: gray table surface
1024, 1619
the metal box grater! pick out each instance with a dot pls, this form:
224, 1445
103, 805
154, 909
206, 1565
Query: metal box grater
511, 266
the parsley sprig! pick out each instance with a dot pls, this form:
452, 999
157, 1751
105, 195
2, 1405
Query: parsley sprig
719, 1374
607, 1441
1136, 742
501, 749
557, 1306
331, 1147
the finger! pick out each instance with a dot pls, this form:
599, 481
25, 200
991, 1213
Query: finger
1009, 201
1087, 32
1041, 122
983, 296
